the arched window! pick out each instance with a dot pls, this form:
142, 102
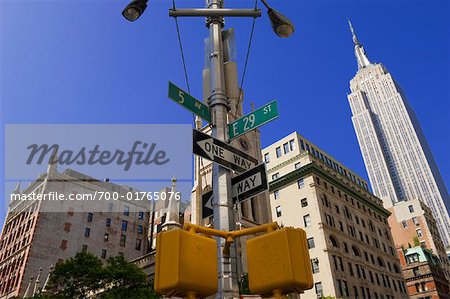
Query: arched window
355, 251
380, 262
334, 242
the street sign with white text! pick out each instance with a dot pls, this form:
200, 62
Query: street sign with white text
250, 183
253, 120
220, 152
189, 102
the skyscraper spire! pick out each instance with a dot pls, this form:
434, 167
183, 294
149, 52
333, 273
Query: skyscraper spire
360, 53
173, 209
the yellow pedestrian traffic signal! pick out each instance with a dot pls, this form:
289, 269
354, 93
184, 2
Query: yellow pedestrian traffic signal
279, 260
186, 264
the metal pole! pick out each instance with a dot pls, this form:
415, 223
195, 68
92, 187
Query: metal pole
152, 227
221, 177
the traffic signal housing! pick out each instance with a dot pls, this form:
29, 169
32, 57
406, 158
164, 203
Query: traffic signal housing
186, 264
279, 260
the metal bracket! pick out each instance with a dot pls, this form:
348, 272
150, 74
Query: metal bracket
214, 12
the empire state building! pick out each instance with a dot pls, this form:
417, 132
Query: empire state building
397, 156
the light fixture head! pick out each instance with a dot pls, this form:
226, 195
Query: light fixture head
282, 26
134, 10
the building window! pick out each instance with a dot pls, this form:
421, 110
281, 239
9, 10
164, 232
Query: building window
67, 226
276, 194
108, 222
404, 224
329, 219
266, 158
103, 253
415, 221
304, 202
345, 286
275, 176
319, 289
106, 237
87, 232
124, 225
123, 239
315, 265
84, 248
311, 243
141, 215
411, 208
278, 211
297, 165
126, 211
307, 220
138, 244
90, 216
63, 244
140, 229
419, 233
278, 152
334, 242
286, 148
300, 183
292, 144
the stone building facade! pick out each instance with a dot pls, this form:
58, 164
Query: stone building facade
39, 234
350, 244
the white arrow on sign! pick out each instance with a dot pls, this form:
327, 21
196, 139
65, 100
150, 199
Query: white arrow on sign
213, 150
208, 203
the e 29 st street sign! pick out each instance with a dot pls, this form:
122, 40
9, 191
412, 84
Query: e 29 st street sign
189, 102
253, 120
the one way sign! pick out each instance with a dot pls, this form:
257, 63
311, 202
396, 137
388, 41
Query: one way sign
249, 183
222, 153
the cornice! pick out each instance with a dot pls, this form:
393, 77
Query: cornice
313, 168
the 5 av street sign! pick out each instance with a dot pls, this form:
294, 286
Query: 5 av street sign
189, 102
221, 152
253, 120
250, 183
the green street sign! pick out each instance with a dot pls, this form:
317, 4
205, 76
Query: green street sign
253, 120
189, 102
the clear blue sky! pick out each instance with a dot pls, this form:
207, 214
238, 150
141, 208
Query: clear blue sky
81, 62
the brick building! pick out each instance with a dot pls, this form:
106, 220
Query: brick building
412, 224
39, 234
423, 273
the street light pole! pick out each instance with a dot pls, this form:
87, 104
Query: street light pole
221, 176
219, 105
